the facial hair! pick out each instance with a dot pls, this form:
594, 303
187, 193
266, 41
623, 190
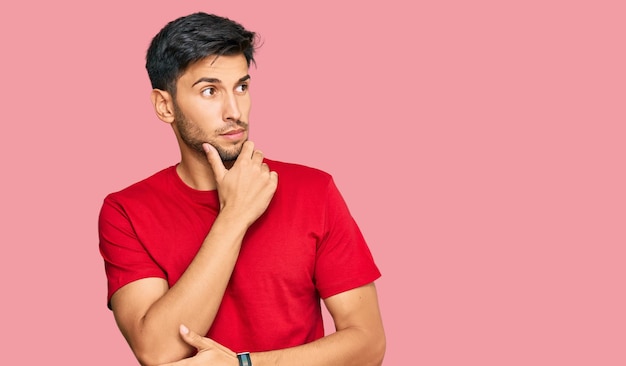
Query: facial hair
193, 136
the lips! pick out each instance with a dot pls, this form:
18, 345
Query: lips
234, 134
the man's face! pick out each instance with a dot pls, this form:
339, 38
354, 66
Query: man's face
212, 105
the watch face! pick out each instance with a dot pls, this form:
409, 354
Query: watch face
244, 359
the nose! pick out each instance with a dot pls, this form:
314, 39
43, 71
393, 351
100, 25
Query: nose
232, 112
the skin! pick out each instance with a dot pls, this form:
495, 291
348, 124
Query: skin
359, 339
209, 116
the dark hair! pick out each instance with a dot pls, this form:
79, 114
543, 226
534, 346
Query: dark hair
191, 38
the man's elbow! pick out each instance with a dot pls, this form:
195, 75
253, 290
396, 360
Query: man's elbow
153, 356
373, 348
379, 347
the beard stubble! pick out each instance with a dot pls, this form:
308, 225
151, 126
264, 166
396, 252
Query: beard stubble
193, 136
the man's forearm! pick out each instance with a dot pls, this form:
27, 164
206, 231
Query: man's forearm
347, 347
359, 339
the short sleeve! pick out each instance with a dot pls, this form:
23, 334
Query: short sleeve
343, 259
125, 258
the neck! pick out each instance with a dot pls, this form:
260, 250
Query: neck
195, 171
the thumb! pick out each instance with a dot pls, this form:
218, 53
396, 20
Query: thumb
192, 338
215, 161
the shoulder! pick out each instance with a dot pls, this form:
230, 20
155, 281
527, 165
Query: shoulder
148, 187
299, 174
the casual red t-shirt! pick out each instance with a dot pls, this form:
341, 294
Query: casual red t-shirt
305, 246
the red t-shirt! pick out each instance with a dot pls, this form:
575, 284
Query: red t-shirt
305, 246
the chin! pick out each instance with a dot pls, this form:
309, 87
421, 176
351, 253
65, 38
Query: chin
230, 154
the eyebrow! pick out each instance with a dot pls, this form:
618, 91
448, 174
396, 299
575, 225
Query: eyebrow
218, 81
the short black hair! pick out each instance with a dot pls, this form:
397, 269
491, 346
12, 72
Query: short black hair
191, 38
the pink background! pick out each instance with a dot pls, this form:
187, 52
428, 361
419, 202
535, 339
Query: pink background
479, 145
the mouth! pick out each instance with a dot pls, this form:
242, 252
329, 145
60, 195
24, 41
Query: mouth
235, 134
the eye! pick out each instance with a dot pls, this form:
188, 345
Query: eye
242, 88
208, 91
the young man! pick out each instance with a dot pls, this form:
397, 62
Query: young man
218, 245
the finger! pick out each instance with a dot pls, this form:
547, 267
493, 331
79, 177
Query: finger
201, 343
215, 161
257, 157
246, 150
192, 338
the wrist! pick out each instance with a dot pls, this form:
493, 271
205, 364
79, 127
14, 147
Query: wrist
264, 358
231, 221
235, 219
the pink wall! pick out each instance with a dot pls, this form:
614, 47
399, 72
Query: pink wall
479, 145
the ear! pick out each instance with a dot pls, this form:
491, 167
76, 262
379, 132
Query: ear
163, 105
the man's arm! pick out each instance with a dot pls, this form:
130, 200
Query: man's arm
149, 313
358, 341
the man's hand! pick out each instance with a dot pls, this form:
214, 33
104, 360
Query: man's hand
209, 351
247, 188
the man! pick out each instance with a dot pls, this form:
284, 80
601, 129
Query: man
216, 246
